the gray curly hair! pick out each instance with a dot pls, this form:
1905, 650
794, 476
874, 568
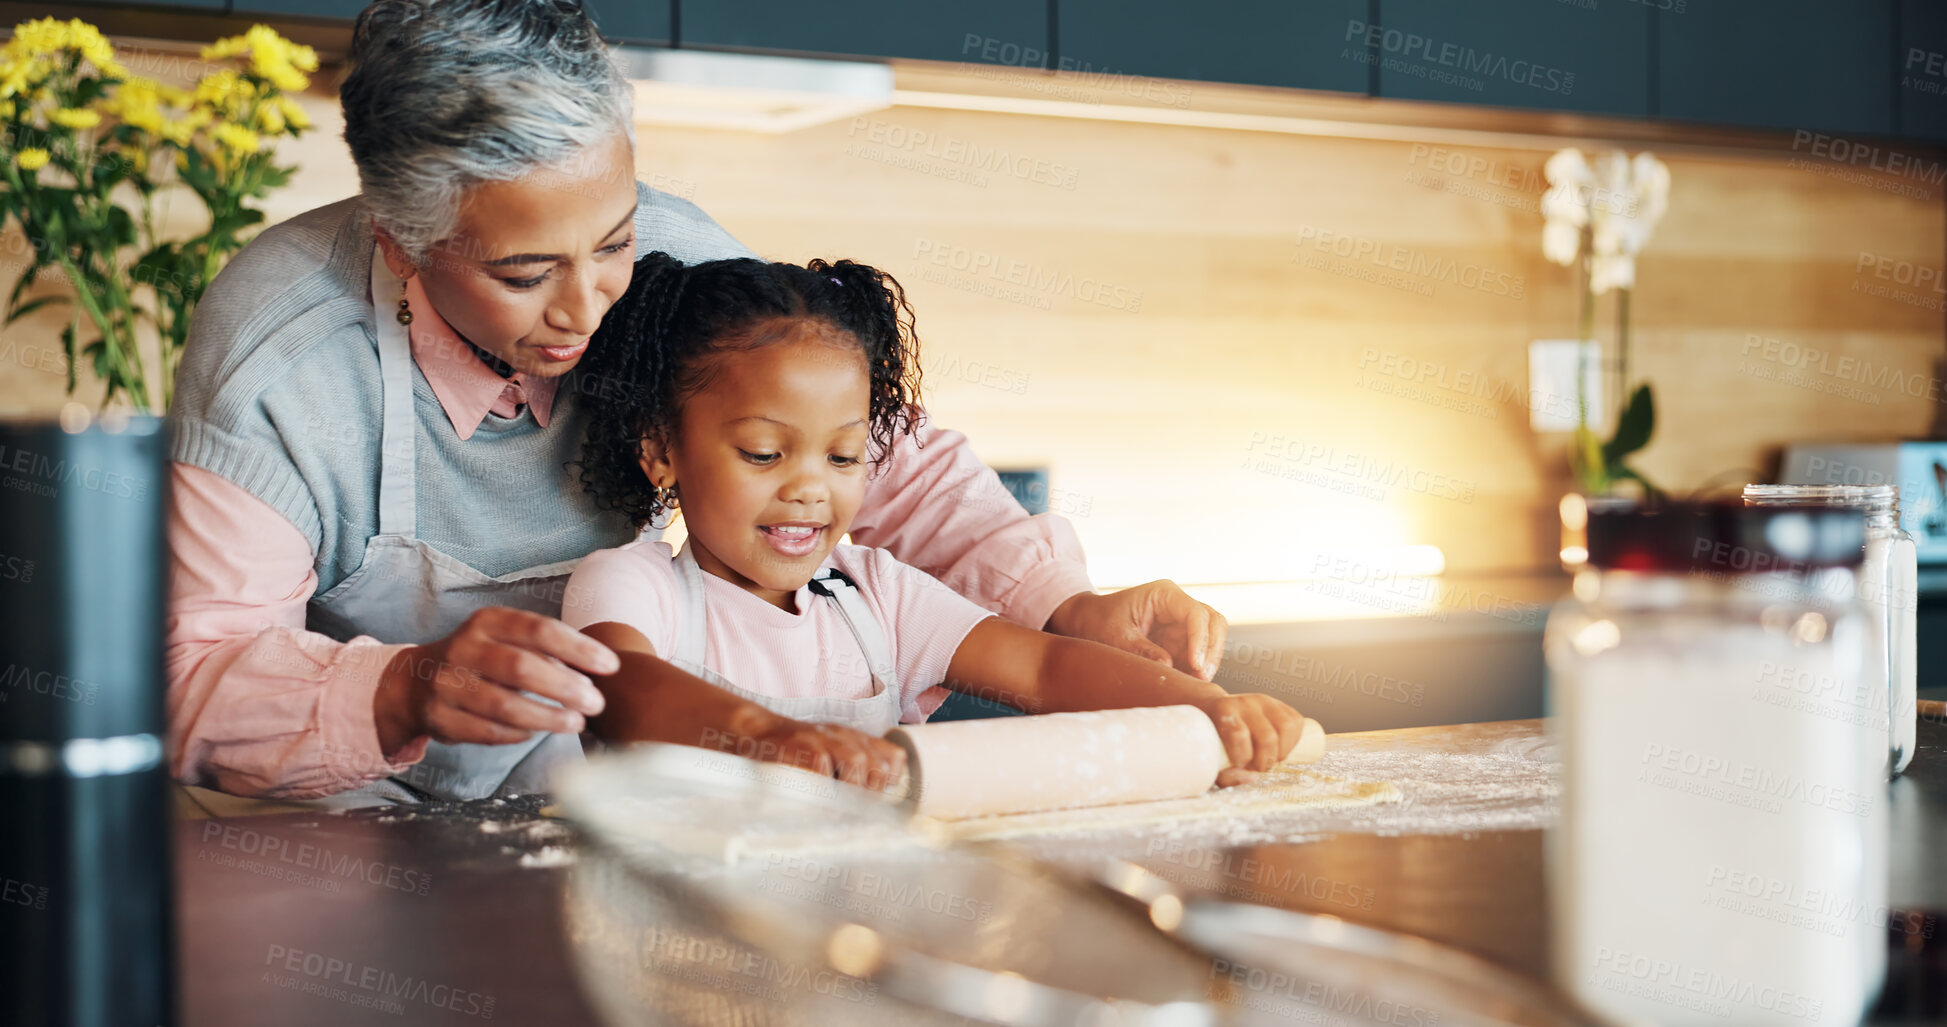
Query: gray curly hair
447, 94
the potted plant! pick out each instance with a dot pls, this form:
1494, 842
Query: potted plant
86, 148
1598, 217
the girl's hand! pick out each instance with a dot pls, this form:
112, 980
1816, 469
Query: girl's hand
831, 750
1157, 621
1258, 732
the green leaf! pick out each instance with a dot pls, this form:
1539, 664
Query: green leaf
104, 366
121, 226
235, 221
1586, 460
67, 348
1634, 428
25, 281
34, 304
163, 269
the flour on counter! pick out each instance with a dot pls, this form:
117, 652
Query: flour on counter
549, 856
1504, 779
1283, 790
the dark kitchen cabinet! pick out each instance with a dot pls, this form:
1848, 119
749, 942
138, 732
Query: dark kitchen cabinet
1013, 32
630, 21
1921, 87
1314, 45
1818, 65
195, 6
344, 10
1559, 55
635, 21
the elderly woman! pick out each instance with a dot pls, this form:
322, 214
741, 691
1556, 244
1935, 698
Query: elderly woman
373, 513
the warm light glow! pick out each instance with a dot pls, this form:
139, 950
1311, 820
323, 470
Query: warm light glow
1575, 512
855, 950
1166, 912
75, 418
1420, 559
1597, 636
1574, 556
1398, 582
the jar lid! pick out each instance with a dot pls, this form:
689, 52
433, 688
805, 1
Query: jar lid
1724, 537
1871, 498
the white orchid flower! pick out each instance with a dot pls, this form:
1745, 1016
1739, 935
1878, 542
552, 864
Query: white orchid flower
1565, 206
1652, 185
1619, 199
1561, 241
1611, 271
1566, 167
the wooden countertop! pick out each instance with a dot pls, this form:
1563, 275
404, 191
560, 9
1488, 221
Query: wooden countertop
452, 915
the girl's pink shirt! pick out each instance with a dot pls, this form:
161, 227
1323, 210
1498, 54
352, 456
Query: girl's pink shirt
809, 653
259, 706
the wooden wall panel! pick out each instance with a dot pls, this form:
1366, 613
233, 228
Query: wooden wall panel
1238, 332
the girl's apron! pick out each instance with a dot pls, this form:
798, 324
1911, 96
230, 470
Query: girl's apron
873, 715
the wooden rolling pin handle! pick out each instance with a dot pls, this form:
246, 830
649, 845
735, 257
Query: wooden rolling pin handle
1311, 744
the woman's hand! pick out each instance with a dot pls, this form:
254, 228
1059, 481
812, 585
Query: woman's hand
467, 686
830, 750
1258, 732
1157, 621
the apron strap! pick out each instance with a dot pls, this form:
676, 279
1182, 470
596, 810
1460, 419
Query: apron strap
396, 453
690, 633
835, 585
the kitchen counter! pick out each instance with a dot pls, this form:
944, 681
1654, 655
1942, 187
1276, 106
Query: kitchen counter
451, 914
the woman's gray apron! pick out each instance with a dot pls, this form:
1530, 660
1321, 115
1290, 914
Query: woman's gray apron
404, 590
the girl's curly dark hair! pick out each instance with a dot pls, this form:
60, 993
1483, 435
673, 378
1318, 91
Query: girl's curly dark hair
655, 348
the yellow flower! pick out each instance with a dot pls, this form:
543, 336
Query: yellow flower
181, 130
270, 120
237, 138
44, 40
21, 75
88, 40
226, 93
272, 57
39, 38
33, 158
224, 49
138, 102
293, 114
78, 119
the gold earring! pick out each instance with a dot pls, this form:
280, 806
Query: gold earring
405, 308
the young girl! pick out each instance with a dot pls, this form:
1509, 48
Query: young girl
756, 398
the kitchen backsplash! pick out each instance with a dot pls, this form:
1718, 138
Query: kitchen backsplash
1250, 356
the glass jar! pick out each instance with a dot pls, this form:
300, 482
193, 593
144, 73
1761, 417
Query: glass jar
1720, 855
1889, 588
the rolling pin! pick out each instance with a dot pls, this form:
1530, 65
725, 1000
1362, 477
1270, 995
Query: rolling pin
971, 768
